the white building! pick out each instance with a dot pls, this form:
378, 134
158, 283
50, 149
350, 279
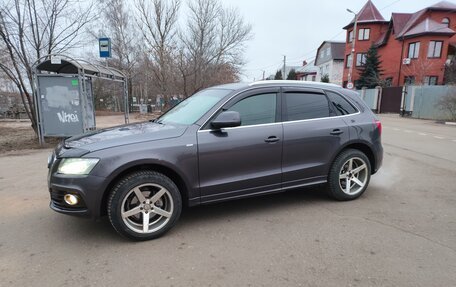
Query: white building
330, 61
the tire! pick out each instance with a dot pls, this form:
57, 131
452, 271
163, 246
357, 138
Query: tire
357, 177
144, 205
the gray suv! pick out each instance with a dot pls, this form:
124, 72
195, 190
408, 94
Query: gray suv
225, 142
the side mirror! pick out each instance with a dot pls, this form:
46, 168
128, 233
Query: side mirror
227, 119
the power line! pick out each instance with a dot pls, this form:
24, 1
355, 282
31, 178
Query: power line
292, 60
389, 5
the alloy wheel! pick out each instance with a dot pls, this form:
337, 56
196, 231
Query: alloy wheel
147, 208
353, 176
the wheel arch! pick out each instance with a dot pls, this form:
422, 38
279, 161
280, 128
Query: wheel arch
138, 166
362, 146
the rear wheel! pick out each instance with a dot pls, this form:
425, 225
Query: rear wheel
349, 175
144, 205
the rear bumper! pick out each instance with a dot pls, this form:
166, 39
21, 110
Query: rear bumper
378, 158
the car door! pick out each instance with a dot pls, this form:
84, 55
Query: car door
244, 160
313, 133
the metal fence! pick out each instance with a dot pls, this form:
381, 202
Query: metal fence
421, 102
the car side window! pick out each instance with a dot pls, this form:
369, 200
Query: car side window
303, 106
257, 109
341, 105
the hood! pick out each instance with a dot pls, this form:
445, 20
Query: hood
123, 135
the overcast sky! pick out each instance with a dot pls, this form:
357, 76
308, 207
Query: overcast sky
296, 28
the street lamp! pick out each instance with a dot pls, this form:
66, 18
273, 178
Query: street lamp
350, 73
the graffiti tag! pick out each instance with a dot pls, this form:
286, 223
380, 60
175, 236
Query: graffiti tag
67, 118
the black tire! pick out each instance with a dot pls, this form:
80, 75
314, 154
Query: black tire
336, 187
124, 195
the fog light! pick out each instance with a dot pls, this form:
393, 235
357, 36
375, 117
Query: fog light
71, 199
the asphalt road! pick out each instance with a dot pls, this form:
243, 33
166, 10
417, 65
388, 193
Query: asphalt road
401, 232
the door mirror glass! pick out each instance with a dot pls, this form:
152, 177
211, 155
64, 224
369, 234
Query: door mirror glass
227, 119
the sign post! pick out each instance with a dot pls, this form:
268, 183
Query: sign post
105, 47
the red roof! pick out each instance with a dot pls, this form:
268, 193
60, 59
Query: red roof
429, 26
414, 24
369, 13
443, 5
400, 20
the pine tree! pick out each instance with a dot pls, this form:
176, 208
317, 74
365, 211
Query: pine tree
370, 76
278, 75
291, 75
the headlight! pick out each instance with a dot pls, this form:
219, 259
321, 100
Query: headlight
77, 166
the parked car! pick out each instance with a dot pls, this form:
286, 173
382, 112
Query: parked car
225, 142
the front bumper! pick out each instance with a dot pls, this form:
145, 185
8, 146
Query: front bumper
89, 189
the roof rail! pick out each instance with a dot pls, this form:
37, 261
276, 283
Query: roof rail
307, 83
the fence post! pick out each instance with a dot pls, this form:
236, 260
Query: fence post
412, 101
363, 93
403, 101
378, 99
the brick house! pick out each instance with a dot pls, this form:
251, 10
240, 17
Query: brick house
413, 47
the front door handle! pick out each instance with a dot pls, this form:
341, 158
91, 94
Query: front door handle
272, 139
336, 132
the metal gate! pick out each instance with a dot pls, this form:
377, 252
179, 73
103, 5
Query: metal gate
390, 101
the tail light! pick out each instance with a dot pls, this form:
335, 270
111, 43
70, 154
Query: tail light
378, 125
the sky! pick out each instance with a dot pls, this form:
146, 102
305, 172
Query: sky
296, 28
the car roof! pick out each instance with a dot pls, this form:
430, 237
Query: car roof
294, 83
268, 83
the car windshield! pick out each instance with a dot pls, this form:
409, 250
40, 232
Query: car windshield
193, 108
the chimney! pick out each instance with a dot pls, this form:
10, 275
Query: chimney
304, 63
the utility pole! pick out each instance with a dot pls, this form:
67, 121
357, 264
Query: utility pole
284, 65
352, 53
263, 74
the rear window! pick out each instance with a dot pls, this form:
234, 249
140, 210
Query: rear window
304, 106
341, 105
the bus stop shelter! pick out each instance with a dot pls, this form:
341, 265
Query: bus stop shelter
64, 102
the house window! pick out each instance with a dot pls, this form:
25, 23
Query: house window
414, 50
361, 59
363, 34
328, 51
349, 61
350, 36
430, 80
446, 21
435, 49
409, 80
313, 78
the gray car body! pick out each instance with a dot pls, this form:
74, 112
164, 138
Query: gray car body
213, 165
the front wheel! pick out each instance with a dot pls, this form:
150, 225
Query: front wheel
144, 205
349, 175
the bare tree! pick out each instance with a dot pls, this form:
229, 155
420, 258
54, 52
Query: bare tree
31, 29
214, 38
450, 72
447, 103
158, 23
419, 70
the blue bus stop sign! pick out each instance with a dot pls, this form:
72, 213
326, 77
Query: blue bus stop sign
105, 47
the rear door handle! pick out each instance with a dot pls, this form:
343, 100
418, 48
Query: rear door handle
272, 139
336, 132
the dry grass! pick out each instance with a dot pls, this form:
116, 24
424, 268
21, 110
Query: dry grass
19, 135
